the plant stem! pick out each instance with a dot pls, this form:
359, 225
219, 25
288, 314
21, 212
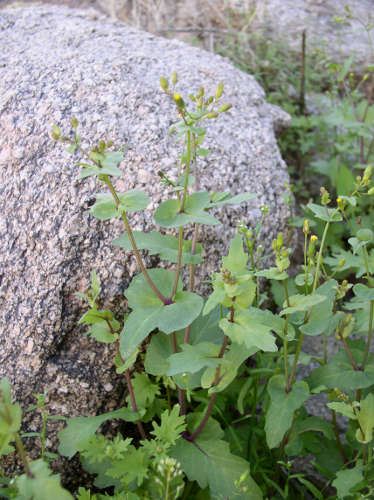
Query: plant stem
192, 278
301, 339
181, 394
22, 454
285, 333
350, 356
370, 335
129, 387
179, 262
208, 411
138, 257
133, 404
319, 259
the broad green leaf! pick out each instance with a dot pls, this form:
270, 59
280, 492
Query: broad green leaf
123, 366
272, 274
203, 329
347, 479
132, 201
301, 303
363, 292
193, 358
324, 213
79, 429
279, 415
164, 245
94, 170
236, 261
322, 319
315, 424
168, 213
273, 321
101, 332
215, 298
339, 373
43, 486
246, 330
366, 419
93, 316
344, 409
105, 207
211, 463
150, 313
233, 359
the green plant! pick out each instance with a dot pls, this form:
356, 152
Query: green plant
218, 398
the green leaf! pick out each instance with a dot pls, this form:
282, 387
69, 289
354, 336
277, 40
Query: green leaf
10, 417
193, 358
363, 292
150, 313
322, 319
233, 359
172, 425
101, 332
279, 416
246, 330
79, 429
94, 170
42, 486
105, 207
301, 303
272, 274
168, 213
144, 389
123, 366
236, 261
324, 213
346, 479
164, 245
344, 409
93, 316
273, 321
339, 373
203, 329
366, 419
134, 200
210, 463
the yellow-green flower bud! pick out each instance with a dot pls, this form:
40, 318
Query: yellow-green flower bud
179, 101
56, 132
164, 84
306, 227
325, 197
212, 114
74, 122
201, 92
174, 78
371, 191
192, 97
341, 263
225, 108
219, 91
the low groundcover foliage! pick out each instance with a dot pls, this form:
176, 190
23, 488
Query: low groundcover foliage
217, 399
